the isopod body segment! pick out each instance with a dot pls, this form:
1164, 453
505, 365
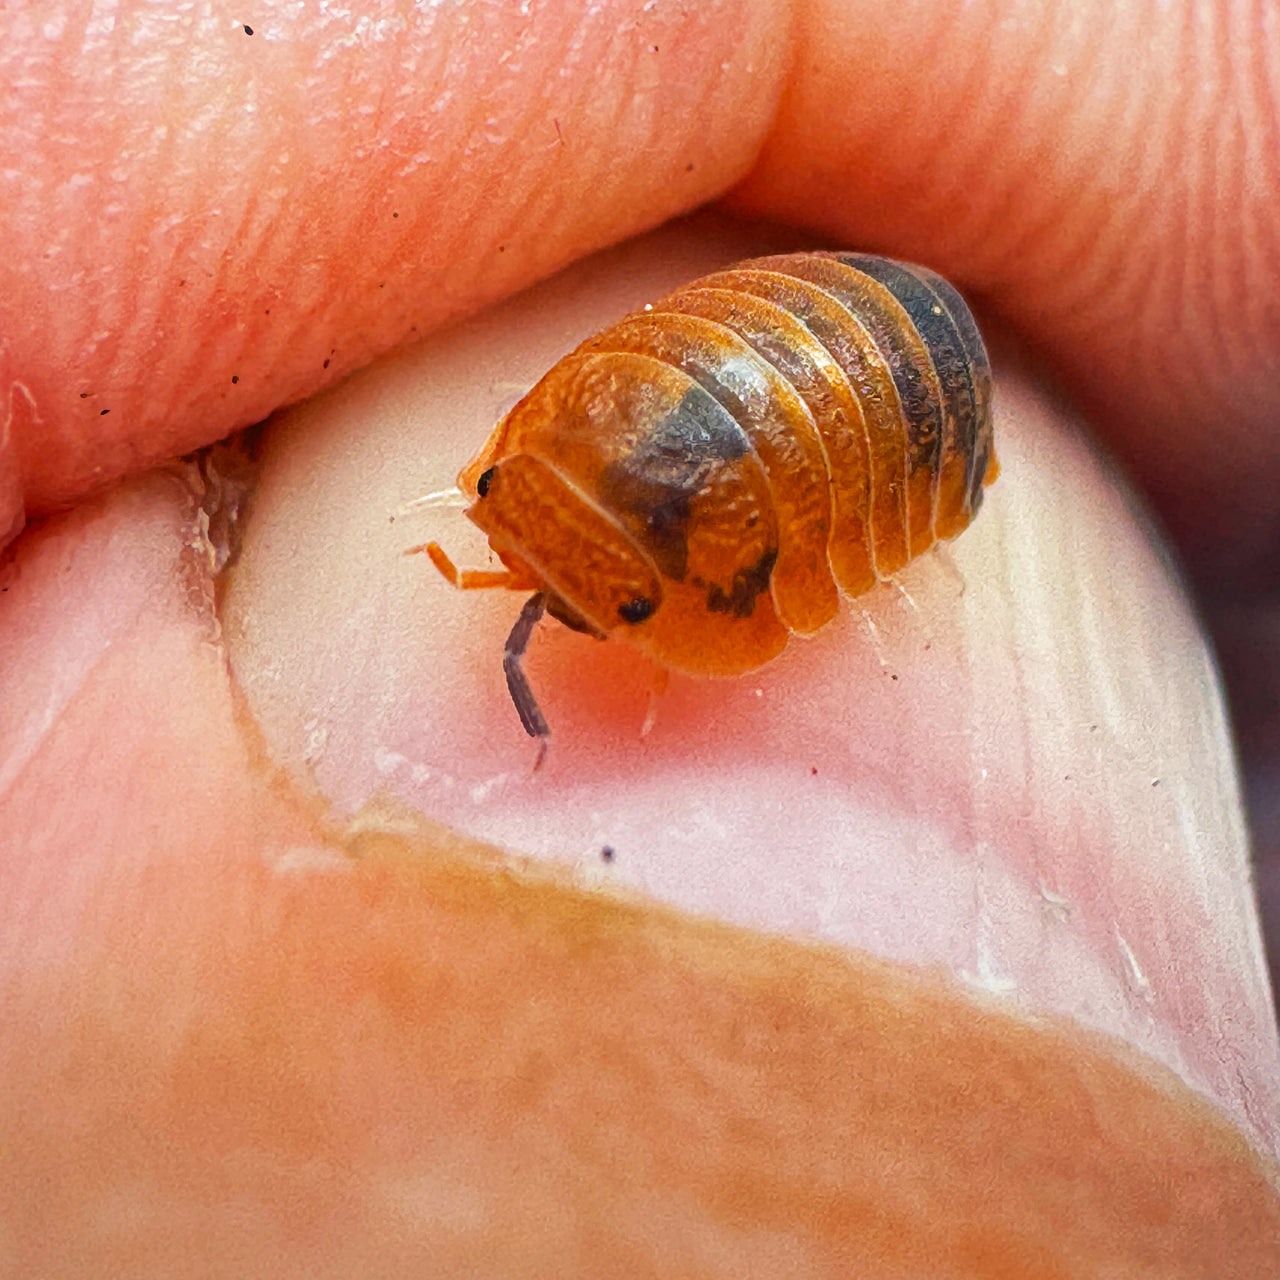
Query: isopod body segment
706, 476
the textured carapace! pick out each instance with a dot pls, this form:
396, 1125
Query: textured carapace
706, 476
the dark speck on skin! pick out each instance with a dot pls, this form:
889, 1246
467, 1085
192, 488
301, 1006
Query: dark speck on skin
248, 31
606, 853
102, 413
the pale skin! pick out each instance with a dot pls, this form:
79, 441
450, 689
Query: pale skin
245, 1034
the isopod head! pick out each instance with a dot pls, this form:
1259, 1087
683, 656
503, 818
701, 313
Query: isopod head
628, 493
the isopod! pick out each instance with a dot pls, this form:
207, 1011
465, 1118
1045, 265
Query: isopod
708, 475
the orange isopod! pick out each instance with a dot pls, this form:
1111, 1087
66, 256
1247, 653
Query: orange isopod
705, 477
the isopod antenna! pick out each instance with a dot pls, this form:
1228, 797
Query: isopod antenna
517, 684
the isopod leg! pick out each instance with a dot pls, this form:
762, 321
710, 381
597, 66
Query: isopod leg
905, 595
877, 644
526, 704
661, 678
946, 560
465, 579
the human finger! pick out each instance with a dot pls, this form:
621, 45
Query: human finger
205, 220
1104, 178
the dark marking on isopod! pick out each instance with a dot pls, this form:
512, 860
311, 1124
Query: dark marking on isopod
658, 480
663, 508
740, 599
697, 431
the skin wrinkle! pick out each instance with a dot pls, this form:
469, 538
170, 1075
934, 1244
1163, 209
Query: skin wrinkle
1091, 274
624, 122
1262, 87
528, 153
1228, 279
985, 120
1199, 251
1255, 77
630, 135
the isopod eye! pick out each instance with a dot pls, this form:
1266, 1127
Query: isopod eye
636, 610
482, 485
